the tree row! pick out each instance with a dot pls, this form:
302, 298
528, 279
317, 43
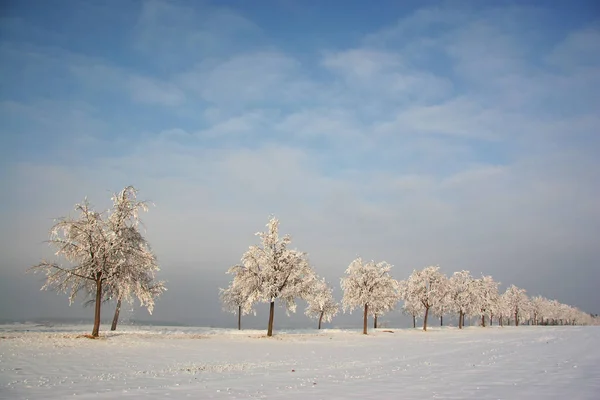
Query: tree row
272, 272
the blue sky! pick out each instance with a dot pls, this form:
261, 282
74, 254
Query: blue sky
463, 134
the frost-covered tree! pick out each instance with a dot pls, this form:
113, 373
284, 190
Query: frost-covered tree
460, 294
244, 290
280, 273
137, 264
411, 307
526, 311
516, 299
503, 310
382, 304
427, 287
484, 296
235, 301
543, 310
108, 257
321, 304
443, 304
366, 284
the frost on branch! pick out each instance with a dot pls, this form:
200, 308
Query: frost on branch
108, 257
369, 285
321, 304
276, 271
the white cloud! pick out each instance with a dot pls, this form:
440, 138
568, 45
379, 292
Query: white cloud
248, 79
362, 63
459, 117
145, 90
384, 76
174, 35
579, 49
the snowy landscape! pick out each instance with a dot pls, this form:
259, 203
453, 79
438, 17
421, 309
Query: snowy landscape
57, 362
299, 199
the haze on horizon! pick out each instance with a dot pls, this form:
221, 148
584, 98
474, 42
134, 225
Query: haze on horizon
454, 133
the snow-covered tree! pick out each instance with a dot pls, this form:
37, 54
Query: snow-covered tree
516, 299
137, 263
503, 310
280, 273
443, 304
321, 304
382, 304
235, 300
366, 284
485, 295
410, 307
244, 290
538, 305
108, 257
460, 294
427, 287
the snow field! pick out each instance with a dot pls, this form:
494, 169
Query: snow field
202, 363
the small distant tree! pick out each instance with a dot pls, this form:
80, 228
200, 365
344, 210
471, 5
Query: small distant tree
503, 310
107, 257
413, 309
516, 299
368, 284
485, 295
442, 304
321, 304
539, 308
234, 301
280, 273
410, 307
460, 294
244, 290
384, 303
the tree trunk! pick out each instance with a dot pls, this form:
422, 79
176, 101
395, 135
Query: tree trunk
460, 320
375, 321
483, 321
491, 319
113, 327
441, 320
96, 330
414, 321
239, 318
365, 319
500, 321
320, 319
271, 317
516, 318
425, 318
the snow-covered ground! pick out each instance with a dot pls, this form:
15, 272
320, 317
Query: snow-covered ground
201, 363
